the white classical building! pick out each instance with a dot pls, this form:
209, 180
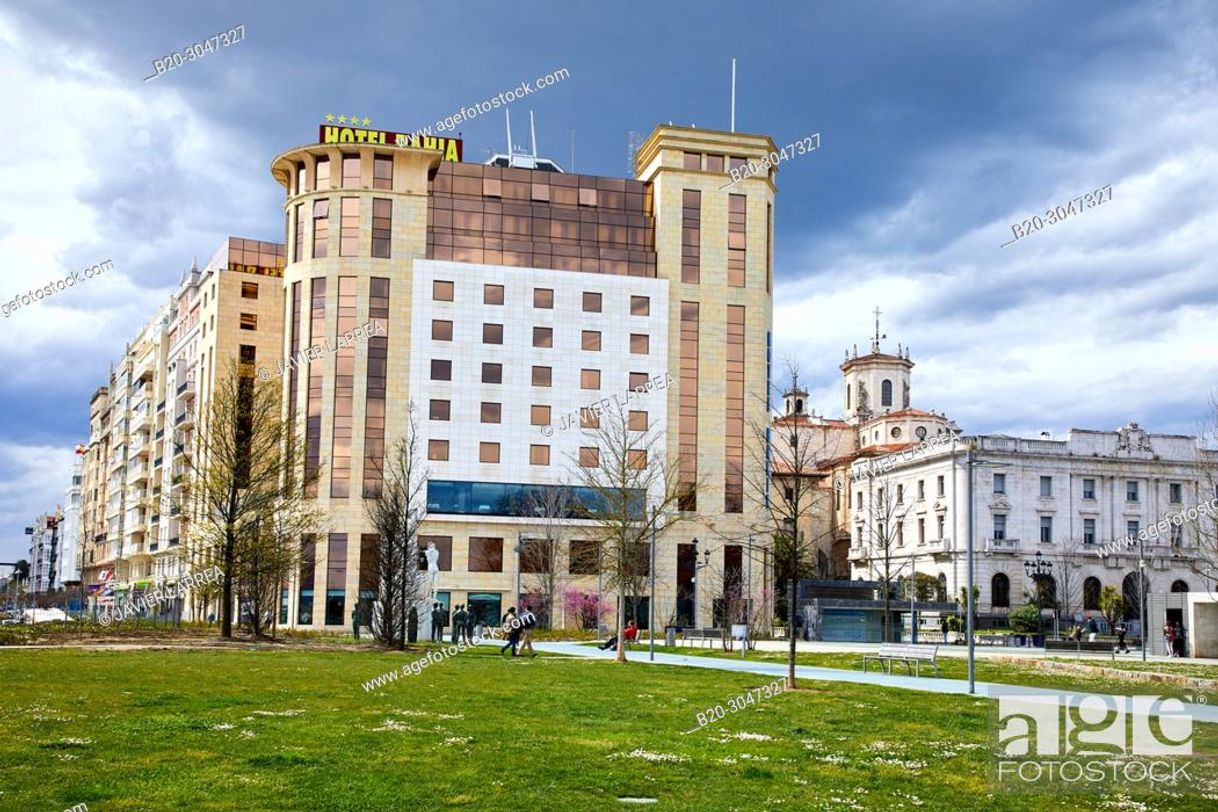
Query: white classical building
1037, 505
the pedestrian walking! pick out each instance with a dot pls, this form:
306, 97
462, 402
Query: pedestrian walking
356, 614
511, 626
458, 622
1092, 630
1169, 639
528, 621
437, 623
470, 620
1121, 630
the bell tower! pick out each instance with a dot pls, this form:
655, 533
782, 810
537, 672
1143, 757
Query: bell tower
876, 383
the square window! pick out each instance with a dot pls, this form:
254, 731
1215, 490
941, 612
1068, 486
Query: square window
485, 554
589, 419
441, 330
587, 197
442, 291
639, 344
714, 163
638, 381
543, 337
543, 298
249, 321
636, 459
492, 333
539, 415
541, 376
591, 340
488, 452
491, 412
539, 455
589, 457
592, 302
589, 379
441, 370
440, 409
248, 353
492, 294
492, 373
640, 305
693, 160
249, 290
437, 450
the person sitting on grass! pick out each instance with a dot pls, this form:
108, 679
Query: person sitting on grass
631, 633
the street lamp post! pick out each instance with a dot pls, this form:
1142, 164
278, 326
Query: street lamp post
651, 623
969, 600
1142, 597
1037, 569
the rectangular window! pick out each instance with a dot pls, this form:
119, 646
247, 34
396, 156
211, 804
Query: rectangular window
437, 450
348, 242
488, 452
1175, 493
543, 337
539, 455
589, 457
589, 419
1088, 531
691, 235
306, 578
636, 459
591, 340
441, 370
336, 580
921, 531
592, 302
317, 334
485, 554
637, 421
543, 298
299, 240
321, 228
714, 163
492, 333
1046, 487
249, 321
1046, 529
249, 290
377, 387
921, 489
323, 174
1088, 488
344, 392
382, 227
582, 559
639, 344
939, 528
1000, 483
539, 415
638, 381
350, 171
1131, 491
693, 160
687, 409
542, 376
733, 436
440, 410
900, 494
302, 184
492, 373
492, 294
1132, 527
737, 212
1177, 536
939, 485
441, 330
382, 172
589, 379
444, 546
491, 412
736, 163
1000, 526
640, 306
442, 291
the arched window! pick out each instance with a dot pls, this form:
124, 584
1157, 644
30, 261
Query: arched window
886, 393
847, 396
1000, 590
1179, 586
799, 406
1132, 595
1091, 593
941, 593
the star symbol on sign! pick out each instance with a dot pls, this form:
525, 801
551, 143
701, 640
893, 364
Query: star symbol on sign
367, 121
342, 119
354, 120
329, 117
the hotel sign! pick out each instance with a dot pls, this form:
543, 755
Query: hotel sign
450, 147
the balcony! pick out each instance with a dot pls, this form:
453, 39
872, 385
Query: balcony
1002, 545
157, 463
187, 389
159, 434
160, 407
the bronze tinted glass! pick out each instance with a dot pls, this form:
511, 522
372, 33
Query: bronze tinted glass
539, 415
298, 240
589, 419
589, 379
488, 452
543, 337
492, 294
687, 408
639, 344
377, 380
485, 554
437, 450
591, 340
543, 298
541, 376
382, 172
442, 291
691, 230
249, 321
527, 218
539, 455
317, 334
733, 435
636, 459
348, 238
441, 330
491, 412
714, 163
640, 306
637, 421
350, 171
492, 334
439, 410
737, 212
321, 228
293, 376
592, 303
492, 373
323, 175
693, 160
441, 370
344, 392
382, 227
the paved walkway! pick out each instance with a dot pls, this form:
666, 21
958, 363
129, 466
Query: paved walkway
937, 685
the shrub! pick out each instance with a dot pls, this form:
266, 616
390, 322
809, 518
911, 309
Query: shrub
1025, 619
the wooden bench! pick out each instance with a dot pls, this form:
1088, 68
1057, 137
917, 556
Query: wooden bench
708, 635
906, 654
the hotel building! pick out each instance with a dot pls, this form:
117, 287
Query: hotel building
511, 297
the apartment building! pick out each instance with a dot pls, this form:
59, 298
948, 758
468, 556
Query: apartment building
70, 527
44, 552
510, 296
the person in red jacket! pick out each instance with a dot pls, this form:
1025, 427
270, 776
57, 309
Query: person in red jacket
631, 633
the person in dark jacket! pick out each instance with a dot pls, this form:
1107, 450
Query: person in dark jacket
471, 619
437, 623
512, 627
458, 622
1121, 630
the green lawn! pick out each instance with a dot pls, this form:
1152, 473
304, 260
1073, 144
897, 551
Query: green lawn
293, 729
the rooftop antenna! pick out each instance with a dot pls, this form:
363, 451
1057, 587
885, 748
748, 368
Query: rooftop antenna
572, 149
508, 115
533, 133
733, 94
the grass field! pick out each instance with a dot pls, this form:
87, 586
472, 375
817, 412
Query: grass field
293, 729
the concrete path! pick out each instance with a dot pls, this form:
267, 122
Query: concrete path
939, 685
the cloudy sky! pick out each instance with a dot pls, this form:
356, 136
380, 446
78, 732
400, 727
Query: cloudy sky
942, 123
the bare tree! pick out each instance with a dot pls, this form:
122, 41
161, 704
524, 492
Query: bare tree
396, 509
634, 499
1069, 558
541, 557
1204, 562
238, 478
789, 455
880, 523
